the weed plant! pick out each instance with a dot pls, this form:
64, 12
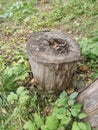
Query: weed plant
19, 108
65, 113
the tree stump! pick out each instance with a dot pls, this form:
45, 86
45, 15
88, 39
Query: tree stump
53, 56
89, 99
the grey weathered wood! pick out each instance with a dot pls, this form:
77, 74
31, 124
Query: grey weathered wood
52, 56
89, 98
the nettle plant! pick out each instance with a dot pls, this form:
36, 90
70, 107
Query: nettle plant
90, 50
20, 9
13, 76
89, 47
66, 115
18, 100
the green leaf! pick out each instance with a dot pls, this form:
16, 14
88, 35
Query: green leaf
68, 113
66, 120
23, 99
60, 116
63, 95
12, 97
60, 110
77, 105
74, 95
25, 92
88, 126
71, 102
44, 127
74, 112
82, 126
20, 90
75, 126
82, 115
95, 75
52, 122
61, 102
29, 126
38, 120
61, 128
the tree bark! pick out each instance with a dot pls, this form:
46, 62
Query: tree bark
53, 56
89, 98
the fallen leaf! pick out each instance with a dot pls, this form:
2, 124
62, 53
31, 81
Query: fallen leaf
3, 111
84, 68
34, 81
70, 90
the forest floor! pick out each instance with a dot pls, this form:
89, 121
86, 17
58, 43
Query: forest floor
18, 20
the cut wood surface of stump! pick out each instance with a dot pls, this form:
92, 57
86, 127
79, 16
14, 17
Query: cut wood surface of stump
53, 56
89, 99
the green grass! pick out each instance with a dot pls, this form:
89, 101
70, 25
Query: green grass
79, 18
75, 16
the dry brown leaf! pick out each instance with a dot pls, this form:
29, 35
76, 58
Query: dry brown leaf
84, 68
34, 81
70, 90
3, 111
54, 45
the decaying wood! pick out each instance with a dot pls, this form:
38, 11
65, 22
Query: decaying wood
52, 56
89, 98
